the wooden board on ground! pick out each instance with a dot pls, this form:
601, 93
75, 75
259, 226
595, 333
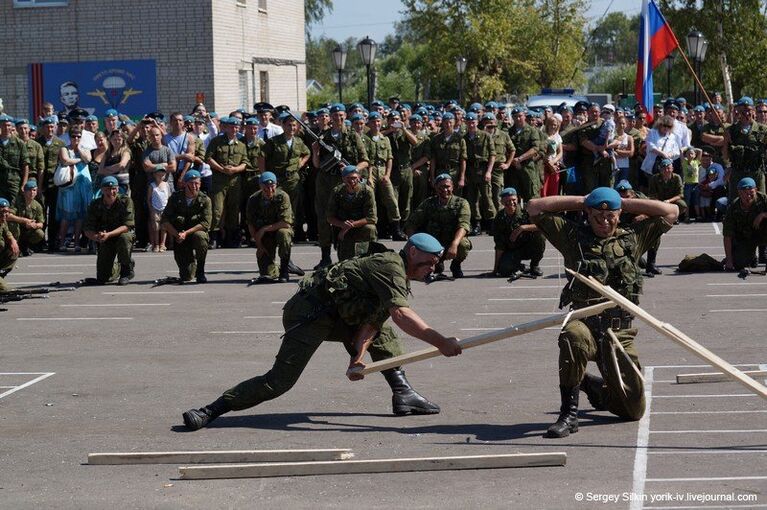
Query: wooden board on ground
513, 460
214, 457
715, 376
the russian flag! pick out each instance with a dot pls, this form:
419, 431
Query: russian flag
656, 42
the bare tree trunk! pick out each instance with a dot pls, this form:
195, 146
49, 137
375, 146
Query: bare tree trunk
723, 57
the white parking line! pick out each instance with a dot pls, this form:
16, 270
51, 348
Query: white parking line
45, 274
74, 318
515, 313
60, 265
716, 451
736, 295
712, 479
729, 310
712, 412
716, 229
262, 317
245, 332
217, 271
530, 287
643, 441
708, 396
155, 292
279, 302
737, 283
43, 375
115, 304
699, 431
525, 299
703, 506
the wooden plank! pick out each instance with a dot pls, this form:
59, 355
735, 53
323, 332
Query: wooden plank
715, 376
513, 460
486, 338
217, 456
674, 334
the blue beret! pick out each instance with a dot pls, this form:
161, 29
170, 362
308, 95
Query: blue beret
109, 181
284, 116
491, 105
426, 243
111, 113
357, 117
376, 104
746, 183
251, 121
471, 116
489, 116
394, 114
188, 118
357, 106
448, 116
405, 106
665, 162
267, 178
191, 175
604, 198
347, 123
475, 107
31, 183
226, 121
4, 203
518, 109
48, 120
32, 128
442, 177
416, 118
20, 122
670, 104
91, 118
349, 169
699, 108
508, 192
323, 111
213, 115
681, 100
374, 116
6, 118
422, 111
718, 107
745, 101
623, 185
338, 107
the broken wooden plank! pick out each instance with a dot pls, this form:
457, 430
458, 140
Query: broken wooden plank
513, 460
715, 376
218, 456
485, 338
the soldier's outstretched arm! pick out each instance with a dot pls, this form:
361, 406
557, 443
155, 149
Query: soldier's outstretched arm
654, 208
412, 324
554, 204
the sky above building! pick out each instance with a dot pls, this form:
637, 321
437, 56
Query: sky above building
376, 18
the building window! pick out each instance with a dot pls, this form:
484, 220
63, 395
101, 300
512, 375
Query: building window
243, 82
40, 3
263, 79
262, 5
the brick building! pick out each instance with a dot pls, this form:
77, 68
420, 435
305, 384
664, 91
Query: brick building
235, 52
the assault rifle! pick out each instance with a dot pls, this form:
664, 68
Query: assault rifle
37, 293
330, 157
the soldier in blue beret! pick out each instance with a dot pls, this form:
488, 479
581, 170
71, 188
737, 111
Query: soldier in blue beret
9, 248
609, 253
516, 239
744, 226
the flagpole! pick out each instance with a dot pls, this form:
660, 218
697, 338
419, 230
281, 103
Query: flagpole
695, 76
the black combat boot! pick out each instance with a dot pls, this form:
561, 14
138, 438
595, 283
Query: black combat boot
475, 229
284, 272
762, 251
567, 423
126, 273
405, 400
294, 269
200, 274
455, 268
325, 260
535, 269
651, 270
592, 386
195, 419
396, 232
215, 240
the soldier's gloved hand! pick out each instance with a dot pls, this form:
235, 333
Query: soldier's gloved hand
450, 347
352, 372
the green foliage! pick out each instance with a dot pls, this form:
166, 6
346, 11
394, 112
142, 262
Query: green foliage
614, 40
611, 80
315, 10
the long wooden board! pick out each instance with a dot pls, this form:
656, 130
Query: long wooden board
513, 460
674, 334
486, 338
715, 377
218, 456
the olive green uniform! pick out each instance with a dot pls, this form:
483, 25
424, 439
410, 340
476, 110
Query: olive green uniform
192, 252
283, 159
527, 246
138, 187
332, 304
353, 150
421, 175
255, 150
442, 222
715, 130
379, 154
747, 156
401, 172
47, 192
103, 218
7, 259
27, 237
14, 157
227, 189
36, 159
739, 226
612, 261
502, 146
479, 149
354, 206
448, 154
262, 212
663, 190
527, 180
594, 172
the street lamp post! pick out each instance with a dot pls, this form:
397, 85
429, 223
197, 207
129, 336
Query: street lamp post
696, 50
339, 60
669, 67
460, 65
367, 48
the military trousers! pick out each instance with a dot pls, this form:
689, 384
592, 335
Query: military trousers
479, 194
118, 247
579, 344
355, 242
744, 252
191, 254
7, 261
298, 347
597, 174
496, 186
248, 186
50, 199
403, 190
532, 249
464, 247
290, 183
277, 242
225, 202
420, 187
384, 192
526, 180
324, 186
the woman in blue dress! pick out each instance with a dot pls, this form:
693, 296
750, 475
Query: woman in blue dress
74, 199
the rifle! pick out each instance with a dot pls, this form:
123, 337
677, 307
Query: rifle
330, 158
8, 297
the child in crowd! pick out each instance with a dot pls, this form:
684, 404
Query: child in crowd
705, 194
606, 133
690, 169
157, 198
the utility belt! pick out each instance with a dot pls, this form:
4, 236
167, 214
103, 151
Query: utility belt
612, 318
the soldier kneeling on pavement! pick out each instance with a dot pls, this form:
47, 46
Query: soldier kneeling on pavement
110, 223
516, 239
352, 211
9, 248
744, 226
26, 221
348, 302
187, 218
270, 221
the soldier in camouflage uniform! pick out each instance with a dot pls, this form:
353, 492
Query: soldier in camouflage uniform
14, 160
744, 226
446, 217
285, 155
9, 248
745, 143
516, 239
27, 219
524, 175
255, 149
352, 149
504, 154
402, 141
138, 143
610, 254
480, 159
420, 160
270, 220
34, 150
110, 223
352, 210
448, 153
187, 218
48, 192
349, 302
668, 186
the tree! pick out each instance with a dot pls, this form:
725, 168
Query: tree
315, 10
613, 40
